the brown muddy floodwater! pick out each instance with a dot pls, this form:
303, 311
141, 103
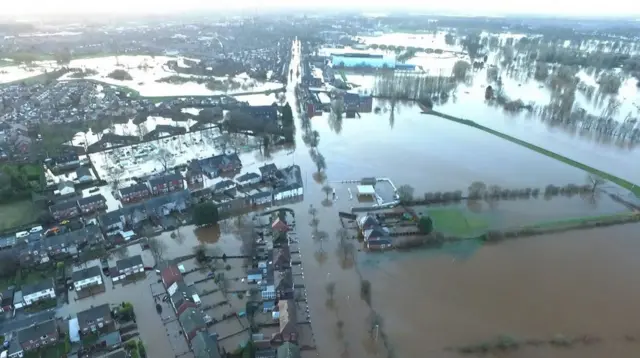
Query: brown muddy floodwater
577, 283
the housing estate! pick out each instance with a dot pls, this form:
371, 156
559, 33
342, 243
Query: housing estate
95, 319
127, 267
87, 278
166, 183
38, 335
39, 291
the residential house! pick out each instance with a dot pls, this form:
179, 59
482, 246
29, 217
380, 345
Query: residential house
64, 210
95, 319
288, 350
281, 258
288, 184
6, 300
261, 198
182, 297
39, 291
248, 179
161, 206
205, 345
65, 188
14, 350
279, 225
134, 193
283, 282
254, 275
38, 335
92, 204
194, 175
377, 238
87, 278
166, 183
268, 171
214, 166
288, 324
83, 175
224, 185
192, 321
64, 161
367, 222
68, 243
128, 267
267, 114
170, 275
112, 221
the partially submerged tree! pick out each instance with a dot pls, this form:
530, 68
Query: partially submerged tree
163, 156
425, 225
460, 69
205, 214
157, 247
365, 291
201, 254
405, 192
595, 181
327, 189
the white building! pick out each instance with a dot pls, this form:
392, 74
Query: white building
87, 278
42, 290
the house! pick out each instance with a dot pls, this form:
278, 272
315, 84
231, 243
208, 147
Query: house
182, 297
65, 188
134, 193
67, 160
64, 210
224, 163
279, 225
170, 275
112, 221
6, 300
367, 222
224, 185
205, 345
161, 206
87, 278
39, 291
288, 330
39, 335
268, 171
92, 203
194, 175
288, 183
283, 282
14, 351
261, 198
377, 238
95, 319
288, 350
83, 175
254, 275
166, 183
281, 258
192, 321
268, 306
127, 267
267, 114
248, 179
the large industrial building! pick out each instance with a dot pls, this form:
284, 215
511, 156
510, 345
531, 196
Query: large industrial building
354, 60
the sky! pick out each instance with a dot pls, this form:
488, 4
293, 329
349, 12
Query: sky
466, 7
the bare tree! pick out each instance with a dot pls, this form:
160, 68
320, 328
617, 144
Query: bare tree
331, 289
595, 181
142, 130
164, 158
157, 247
405, 193
115, 174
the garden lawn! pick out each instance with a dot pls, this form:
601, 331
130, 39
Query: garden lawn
454, 222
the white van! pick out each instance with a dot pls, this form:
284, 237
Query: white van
35, 229
22, 234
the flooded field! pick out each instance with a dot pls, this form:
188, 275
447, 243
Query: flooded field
571, 284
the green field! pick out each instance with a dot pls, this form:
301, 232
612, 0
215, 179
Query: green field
452, 221
18, 213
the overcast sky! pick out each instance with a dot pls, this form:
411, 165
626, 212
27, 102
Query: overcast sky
470, 7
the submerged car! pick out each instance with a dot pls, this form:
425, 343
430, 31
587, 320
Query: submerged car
159, 308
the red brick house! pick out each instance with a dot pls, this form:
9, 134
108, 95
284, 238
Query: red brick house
134, 193
39, 335
166, 184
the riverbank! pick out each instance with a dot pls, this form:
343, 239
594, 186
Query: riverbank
635, 189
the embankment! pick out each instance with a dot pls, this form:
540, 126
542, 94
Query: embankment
612, 178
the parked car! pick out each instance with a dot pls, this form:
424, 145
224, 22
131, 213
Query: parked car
35, 229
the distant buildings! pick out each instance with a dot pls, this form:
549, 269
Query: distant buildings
354, 60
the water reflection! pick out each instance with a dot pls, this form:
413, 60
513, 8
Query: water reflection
208, 234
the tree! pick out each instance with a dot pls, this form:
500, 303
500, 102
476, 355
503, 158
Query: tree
477, 189
115, 174
609, 83
157, 247
365, 291
405, 193
327, 189
201, 253
331, 289
9, 263
460, 69
507, 55
205, 214
164, 158
471, 43
595, 181
542, 71
425, 225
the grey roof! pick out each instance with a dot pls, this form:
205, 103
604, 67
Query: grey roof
129, 262
224, 184
64, 205
134, 188
110, 218
89, 316
83, 171
260, 195
283, 280
84, 274
92, 199
205, 345
288, 350
182, 293
268, 169
37, 330
192, 319
65, 184
165, 179
37, 287
247, 177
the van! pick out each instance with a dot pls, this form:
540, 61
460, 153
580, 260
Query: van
35, 229
22, 234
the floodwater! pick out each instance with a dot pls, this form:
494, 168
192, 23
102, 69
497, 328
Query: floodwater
572, 284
